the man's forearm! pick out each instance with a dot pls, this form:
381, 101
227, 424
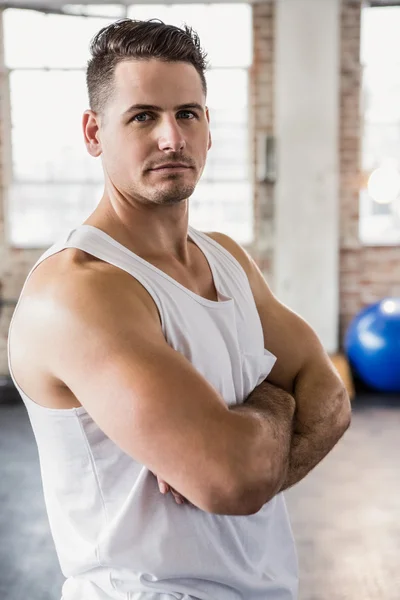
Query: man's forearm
305, 453
320, 419
274, 409
322, 416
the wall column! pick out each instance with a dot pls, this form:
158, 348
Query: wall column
306, 249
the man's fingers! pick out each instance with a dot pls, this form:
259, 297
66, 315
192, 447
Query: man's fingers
179, 499
165, 488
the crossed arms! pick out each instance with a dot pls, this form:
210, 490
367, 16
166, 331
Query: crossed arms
303, 408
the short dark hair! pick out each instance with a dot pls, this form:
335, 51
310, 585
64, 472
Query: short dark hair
128, 39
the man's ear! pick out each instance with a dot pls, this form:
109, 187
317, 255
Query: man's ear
209, 133
91, 130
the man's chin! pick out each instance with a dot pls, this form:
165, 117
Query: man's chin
172, 196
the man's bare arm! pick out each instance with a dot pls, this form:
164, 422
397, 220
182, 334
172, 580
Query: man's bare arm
308, 443
321, 419
300, 446
323, 411
303, 368
273, 408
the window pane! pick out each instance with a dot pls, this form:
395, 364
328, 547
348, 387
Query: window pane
228, 156
228, 89
381, 90
380, 142
40, 214
96, 10
208, 20
235, 47
144, 12
32, 39
59, 32
380, 40
47, 138
228, 159
22, 30
382, 228
228, 115
223, 207
380, 47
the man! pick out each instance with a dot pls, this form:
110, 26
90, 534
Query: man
141, 346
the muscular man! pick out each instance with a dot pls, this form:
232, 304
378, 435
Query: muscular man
141, 347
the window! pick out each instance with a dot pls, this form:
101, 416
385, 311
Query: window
380, 56
54, 183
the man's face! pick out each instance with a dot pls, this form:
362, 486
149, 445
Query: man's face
155, 131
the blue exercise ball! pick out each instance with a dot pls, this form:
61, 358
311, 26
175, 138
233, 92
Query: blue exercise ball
372, 344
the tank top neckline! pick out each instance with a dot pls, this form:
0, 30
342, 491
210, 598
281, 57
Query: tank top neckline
226, 300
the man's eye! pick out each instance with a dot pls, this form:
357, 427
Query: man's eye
141, 118
188, 114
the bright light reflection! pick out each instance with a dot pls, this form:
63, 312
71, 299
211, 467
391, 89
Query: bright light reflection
370, 340
384, 184
391, 306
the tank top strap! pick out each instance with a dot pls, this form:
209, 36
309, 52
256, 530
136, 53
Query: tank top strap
226, 268
218, 253
97, 243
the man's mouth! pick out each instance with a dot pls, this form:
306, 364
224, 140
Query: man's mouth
171, 167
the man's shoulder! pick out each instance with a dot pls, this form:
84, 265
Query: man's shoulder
75, 283
72, 270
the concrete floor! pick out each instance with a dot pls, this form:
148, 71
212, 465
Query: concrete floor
345, 514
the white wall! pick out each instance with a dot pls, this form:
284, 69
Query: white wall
306, 254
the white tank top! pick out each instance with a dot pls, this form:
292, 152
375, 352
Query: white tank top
115, 534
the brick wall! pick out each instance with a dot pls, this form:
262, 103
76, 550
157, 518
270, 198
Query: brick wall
349, 160
262, 122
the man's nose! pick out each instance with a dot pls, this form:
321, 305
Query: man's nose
170, 136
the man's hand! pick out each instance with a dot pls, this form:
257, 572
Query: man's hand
164, 488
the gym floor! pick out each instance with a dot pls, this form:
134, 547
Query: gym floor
345, 514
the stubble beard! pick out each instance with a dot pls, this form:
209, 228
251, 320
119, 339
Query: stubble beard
171, 194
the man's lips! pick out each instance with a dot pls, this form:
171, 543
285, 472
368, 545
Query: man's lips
171, 167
